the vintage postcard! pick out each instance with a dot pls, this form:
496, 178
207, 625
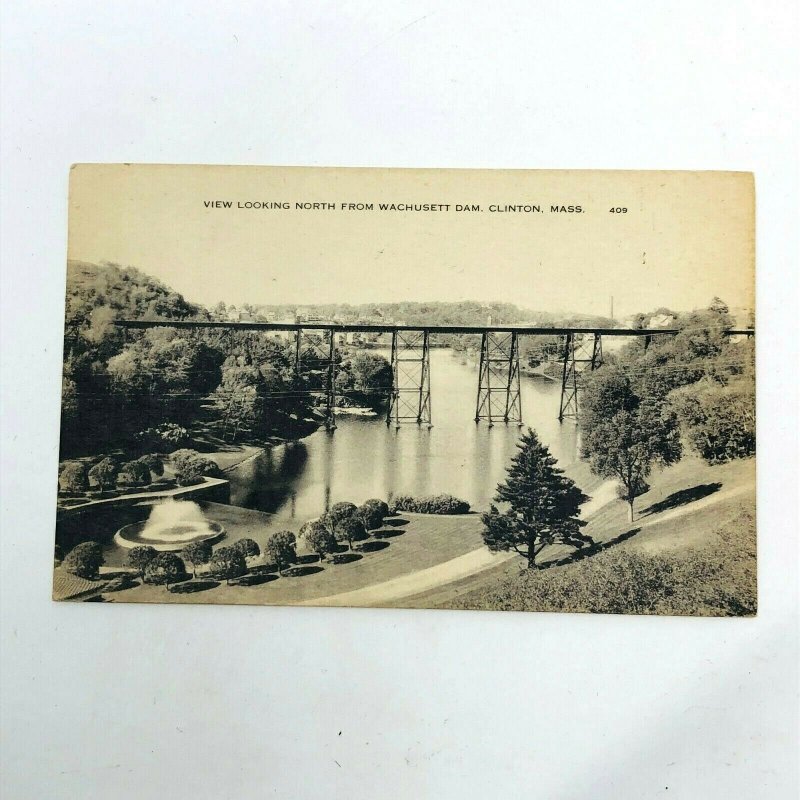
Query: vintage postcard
464, 389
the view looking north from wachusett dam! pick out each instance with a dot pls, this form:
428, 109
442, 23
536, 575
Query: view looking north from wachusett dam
443, 454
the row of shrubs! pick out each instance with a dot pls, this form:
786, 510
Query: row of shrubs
430, 504
76, 478
154, 567
344, 523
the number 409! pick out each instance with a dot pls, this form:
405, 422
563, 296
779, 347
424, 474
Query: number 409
617, 210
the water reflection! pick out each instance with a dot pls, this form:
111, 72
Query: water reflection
327, 468
268, 482
365, 458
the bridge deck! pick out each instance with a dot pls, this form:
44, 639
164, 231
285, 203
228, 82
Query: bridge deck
387, 328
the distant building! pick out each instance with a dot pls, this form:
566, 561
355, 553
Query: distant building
307, 315
284, 336
661, 321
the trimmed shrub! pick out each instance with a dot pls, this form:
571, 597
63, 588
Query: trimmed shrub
134, 473
190, 473
73, 478
430, 504
85, 560
181, 457
211, 468
228, 563
318, 538
372, 513
154, 464
139, 557
350, 529
338, 512
104, 474
247, 547
196, 553
165, 568
281, 549
402, 502
191, 467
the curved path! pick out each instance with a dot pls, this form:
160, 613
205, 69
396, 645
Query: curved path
447, 572
416, 582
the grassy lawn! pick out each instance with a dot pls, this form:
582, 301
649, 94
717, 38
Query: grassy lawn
714, 576
406, 543
685, 507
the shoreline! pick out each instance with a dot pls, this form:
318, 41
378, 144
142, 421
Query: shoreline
258, 450
593, 486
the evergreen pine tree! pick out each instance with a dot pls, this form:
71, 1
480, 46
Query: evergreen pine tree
542, 505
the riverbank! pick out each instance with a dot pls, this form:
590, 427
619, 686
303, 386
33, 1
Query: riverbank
228, 460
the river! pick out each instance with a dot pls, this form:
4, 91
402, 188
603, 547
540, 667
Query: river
364, 458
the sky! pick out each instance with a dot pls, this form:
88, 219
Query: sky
684, 237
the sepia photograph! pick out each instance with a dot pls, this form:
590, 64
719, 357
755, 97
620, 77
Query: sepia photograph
333, 332
450, 389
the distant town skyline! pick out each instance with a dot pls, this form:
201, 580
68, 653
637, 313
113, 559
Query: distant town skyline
307, 306
685, 237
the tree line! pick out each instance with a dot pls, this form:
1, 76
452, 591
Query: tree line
145, 389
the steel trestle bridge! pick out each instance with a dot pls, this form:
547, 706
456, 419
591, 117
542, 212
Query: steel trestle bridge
409, 397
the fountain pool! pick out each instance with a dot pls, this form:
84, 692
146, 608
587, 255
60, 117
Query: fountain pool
171, 525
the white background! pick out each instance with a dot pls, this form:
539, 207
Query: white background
194, 702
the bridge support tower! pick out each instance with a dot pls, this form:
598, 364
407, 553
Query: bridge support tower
410, 394
499, 395
582, 352
315, 361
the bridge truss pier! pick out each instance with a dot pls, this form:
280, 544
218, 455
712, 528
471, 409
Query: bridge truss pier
315, 362
410, 395
499, 395
582, 352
